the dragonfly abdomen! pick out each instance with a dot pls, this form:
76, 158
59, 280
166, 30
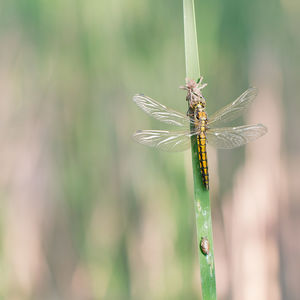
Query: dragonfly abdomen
201, 140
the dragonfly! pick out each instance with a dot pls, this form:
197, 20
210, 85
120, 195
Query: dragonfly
207, 130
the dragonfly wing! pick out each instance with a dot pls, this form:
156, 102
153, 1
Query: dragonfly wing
234, 110
161, 112
232, 137
172, 141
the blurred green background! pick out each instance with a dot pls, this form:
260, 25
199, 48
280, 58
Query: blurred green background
88, 214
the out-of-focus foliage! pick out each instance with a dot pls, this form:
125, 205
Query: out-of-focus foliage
88, 214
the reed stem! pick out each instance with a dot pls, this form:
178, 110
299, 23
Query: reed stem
201, 195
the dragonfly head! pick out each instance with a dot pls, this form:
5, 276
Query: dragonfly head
200, 105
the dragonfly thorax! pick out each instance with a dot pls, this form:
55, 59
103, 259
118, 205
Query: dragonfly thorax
199, 113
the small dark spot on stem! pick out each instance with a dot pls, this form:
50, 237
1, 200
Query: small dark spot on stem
204, 245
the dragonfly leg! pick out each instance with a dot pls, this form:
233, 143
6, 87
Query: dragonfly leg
190, 112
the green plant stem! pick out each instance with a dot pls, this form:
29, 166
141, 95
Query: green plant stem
202, 203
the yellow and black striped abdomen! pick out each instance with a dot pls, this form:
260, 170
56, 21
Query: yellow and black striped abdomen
201, 140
